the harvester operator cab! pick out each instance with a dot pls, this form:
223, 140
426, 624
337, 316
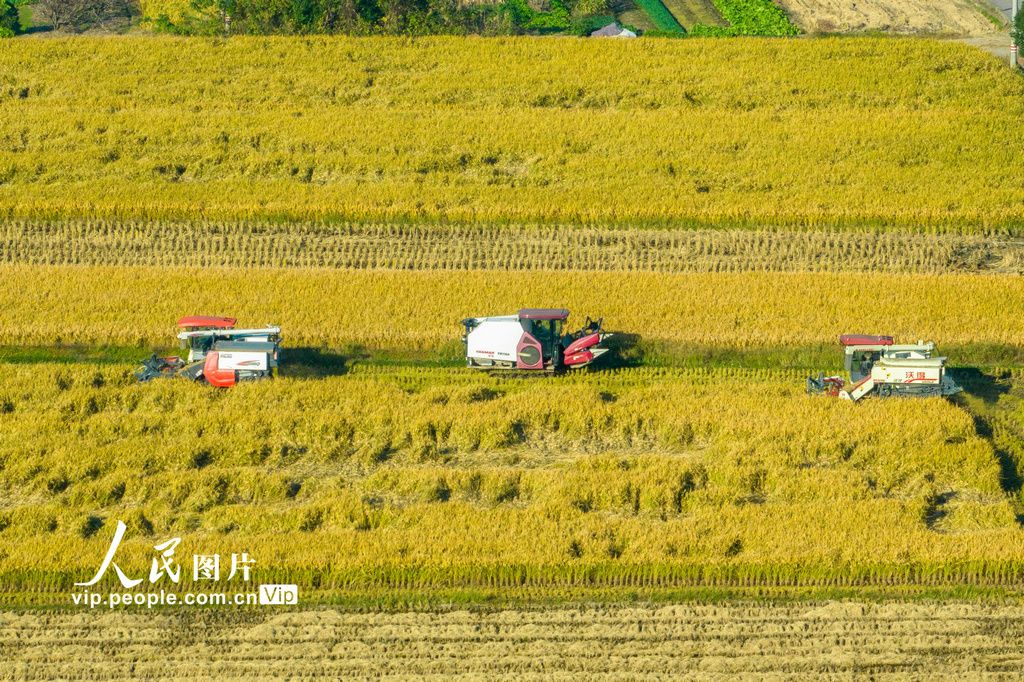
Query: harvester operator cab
197, 346
859, 363
545, 325
862, 352
198, 334
548, 333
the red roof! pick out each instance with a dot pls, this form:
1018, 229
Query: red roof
205, 321
543, 314
865, 340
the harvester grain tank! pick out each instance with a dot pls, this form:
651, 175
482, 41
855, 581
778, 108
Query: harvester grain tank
878, 366
533, 339
218, 353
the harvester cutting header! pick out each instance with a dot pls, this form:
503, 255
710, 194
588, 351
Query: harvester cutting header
218, 353
879, 366
532, 339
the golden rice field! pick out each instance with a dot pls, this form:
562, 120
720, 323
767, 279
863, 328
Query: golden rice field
403, 246
826, 133
778, 641
419, 311
383, 482
729, 207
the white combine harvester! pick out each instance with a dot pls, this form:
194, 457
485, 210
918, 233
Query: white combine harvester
533, 339
218, 353
878, 366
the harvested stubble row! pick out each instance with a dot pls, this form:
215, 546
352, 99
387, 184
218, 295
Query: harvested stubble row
614, 643
405, 246
125, 305
449, 129
627, 480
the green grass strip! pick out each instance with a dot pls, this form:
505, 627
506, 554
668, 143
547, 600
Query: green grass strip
964, 360
661, 17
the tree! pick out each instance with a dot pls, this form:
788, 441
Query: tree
10, 23
224, 9
78, 15
589, 8
340, 15
64, 15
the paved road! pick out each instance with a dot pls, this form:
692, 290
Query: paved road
996, 43
1004, 6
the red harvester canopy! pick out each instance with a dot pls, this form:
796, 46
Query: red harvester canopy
543, 314
205, 321
865, 340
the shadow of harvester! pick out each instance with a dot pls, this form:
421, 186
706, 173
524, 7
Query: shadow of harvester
624, 350
988, 387
306, 362
992, 402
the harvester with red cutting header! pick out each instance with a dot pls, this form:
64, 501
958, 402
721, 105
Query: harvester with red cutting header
218, 353
878, 366
533, 339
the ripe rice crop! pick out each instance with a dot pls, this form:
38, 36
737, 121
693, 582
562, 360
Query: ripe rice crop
633, 133
54, 305
392, 479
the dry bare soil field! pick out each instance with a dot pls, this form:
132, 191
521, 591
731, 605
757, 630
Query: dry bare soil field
728, 207
941, 17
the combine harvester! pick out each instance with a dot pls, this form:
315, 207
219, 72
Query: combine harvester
218, 353
878, 366
533, 340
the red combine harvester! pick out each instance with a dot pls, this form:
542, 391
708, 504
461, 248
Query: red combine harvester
532, 339
878, 366
218, 353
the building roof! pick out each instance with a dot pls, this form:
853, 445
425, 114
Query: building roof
612, 30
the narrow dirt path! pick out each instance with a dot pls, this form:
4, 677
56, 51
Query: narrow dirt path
997, 44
